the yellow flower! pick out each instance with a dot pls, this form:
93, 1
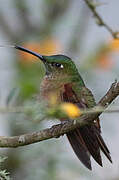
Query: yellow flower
114, 45
71, 110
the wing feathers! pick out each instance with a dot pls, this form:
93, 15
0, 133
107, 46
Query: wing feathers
86, 140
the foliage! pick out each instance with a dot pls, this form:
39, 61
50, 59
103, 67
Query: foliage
4, 175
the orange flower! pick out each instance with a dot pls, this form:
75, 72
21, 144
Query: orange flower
114, 45
46, 47
104, 61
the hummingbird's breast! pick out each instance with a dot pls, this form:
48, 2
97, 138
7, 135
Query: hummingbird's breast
58, 88
51, 86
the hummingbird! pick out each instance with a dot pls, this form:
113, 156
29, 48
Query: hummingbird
63, 79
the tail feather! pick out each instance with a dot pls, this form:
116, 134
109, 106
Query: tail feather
87, 141
79, 147
104, 147
90, 139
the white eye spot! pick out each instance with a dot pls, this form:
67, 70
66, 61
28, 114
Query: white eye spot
61, 66
57, 65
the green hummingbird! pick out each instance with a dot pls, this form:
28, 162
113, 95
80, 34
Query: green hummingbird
63, 79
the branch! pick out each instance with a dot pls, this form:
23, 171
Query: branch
61, 129
100, 22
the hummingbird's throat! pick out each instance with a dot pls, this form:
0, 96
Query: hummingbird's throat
53, 85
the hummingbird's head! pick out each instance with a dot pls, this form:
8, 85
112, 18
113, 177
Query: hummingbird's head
55, 64
59, 64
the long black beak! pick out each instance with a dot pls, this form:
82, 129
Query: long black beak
30, 52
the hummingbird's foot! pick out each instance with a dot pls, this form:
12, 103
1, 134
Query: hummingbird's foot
65, 121
58, 136
55, 129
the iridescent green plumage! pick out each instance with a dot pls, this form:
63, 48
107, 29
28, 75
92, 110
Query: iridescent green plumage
63, 79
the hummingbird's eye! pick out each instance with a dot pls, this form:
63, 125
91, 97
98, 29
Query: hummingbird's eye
57, 65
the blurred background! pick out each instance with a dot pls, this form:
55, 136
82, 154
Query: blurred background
56, 27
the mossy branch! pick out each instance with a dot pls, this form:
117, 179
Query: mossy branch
61, 129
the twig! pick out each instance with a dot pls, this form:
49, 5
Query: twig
60, 129
100, 22
27, 109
